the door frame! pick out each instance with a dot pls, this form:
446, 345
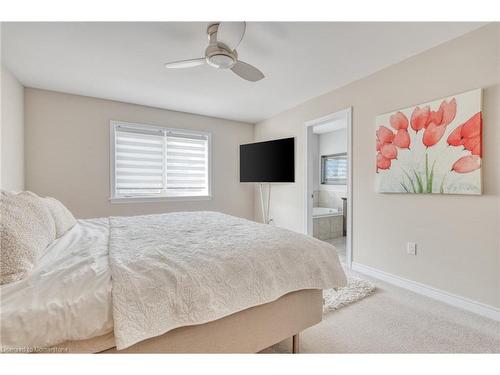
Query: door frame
308, 203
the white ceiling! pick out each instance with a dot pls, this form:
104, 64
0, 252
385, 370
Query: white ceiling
124, 61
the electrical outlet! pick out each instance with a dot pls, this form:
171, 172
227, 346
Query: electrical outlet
411, 248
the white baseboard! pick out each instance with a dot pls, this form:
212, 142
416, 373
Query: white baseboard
428, 291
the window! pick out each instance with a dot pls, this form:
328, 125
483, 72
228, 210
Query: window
151, 162
334, 169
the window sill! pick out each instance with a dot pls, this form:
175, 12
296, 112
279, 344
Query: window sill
118, 200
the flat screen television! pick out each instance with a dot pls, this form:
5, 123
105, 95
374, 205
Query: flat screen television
271, 161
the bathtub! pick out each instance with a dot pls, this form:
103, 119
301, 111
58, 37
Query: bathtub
327, 223
325, 211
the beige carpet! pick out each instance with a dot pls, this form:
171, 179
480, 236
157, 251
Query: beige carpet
394, 320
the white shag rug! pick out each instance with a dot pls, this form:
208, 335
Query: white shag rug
355, 290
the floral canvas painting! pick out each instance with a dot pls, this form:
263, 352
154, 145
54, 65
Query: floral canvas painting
433, 147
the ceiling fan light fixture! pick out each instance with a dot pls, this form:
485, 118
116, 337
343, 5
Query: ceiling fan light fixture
221, 61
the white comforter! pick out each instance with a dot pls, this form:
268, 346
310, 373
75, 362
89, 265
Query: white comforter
67, 296
186, 268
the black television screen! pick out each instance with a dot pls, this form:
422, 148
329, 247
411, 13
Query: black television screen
271, 161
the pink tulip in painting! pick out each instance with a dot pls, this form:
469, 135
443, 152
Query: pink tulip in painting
434, 147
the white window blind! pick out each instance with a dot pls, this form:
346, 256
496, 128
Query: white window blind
334, 169
159, 162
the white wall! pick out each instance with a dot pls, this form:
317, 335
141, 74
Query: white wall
329, 143
12, 132
316, 161
458, 236
67, 154
334, 142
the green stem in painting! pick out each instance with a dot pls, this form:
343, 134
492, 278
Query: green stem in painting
427, 171
411, 181
431, 178
420, 186
441, 188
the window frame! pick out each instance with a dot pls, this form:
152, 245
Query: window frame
332, 181
114, 198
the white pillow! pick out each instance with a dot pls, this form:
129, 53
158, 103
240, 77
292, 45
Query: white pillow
63, 218
27, 228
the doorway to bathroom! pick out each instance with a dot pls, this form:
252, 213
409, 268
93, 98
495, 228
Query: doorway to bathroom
328, 208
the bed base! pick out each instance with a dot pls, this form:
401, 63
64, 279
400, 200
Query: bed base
248, 331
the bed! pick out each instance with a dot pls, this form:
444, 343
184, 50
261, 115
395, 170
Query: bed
186, 282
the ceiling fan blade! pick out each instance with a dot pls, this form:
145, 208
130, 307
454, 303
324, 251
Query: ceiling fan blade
231, 33
185, 63
247, 71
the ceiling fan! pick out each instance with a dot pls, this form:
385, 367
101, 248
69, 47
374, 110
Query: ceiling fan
223, 38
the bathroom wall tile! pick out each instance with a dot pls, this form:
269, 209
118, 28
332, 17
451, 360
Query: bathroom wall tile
316, 198
331, 198
323, 198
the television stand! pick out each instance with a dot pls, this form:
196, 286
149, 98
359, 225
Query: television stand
266, 219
